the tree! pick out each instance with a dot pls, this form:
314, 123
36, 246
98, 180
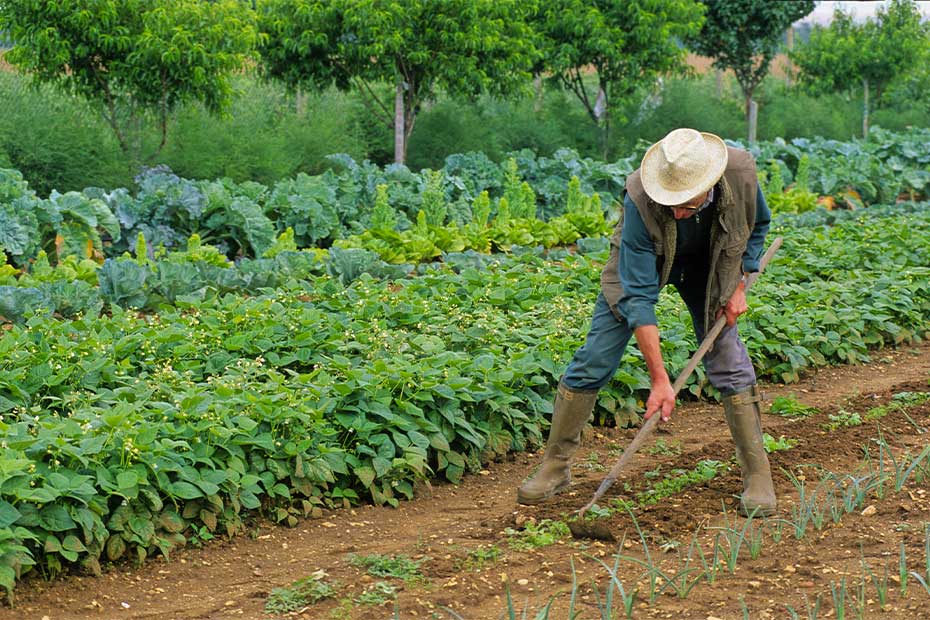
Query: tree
625, 44
743, 35
418, 46
132, 56
845, 54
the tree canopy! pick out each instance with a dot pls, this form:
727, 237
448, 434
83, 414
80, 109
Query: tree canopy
132, 56
461, 46
627, 44
845, 55
743, 36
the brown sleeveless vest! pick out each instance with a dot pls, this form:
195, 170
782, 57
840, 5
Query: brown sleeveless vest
736, 217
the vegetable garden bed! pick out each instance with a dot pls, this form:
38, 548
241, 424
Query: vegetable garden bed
129, 434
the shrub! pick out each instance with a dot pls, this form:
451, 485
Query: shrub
55, 140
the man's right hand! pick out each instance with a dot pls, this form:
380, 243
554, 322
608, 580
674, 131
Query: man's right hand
661, 396
661, 400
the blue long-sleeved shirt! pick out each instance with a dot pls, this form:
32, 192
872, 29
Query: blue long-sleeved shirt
638, 267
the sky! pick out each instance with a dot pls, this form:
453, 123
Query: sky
860, 10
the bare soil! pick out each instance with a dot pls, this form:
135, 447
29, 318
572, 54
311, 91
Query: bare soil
449, 529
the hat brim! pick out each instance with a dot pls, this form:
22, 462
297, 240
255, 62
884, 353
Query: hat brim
657, 192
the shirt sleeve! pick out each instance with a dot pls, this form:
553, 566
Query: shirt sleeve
756, 243
638, 272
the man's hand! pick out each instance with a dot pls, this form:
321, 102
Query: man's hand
661, 400
661, 396
736, 306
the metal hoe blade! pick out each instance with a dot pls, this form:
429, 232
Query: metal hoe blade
582, 528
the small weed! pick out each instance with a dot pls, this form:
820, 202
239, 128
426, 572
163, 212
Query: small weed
511, 612
860, 602
665, 448
398, 567
774, 529
877, 413
705, 470
911, 399
811, 610
838, 592
790, 407
670, 545
924, 579
775, 445
536, 535
606, 605
598, 512
614, 450
734, 537
843, 419
902, 466
899, 402
300, 594
201, 535
378, 593
593, 463
653, 473
622, 505
880, 582
902, 571
854, 492
479, 558
800, 512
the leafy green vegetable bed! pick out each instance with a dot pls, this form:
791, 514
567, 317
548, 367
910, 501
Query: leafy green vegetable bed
126, 434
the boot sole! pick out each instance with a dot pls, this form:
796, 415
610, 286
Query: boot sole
532, 501
760, 511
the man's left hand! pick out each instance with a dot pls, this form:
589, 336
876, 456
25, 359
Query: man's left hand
736, 306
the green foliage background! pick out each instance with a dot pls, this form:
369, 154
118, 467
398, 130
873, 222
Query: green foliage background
59, 142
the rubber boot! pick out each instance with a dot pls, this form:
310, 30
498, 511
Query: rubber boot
745, 422
569, 415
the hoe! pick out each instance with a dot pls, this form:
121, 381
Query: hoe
582, 528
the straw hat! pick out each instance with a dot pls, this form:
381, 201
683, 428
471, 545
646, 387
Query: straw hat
683, 165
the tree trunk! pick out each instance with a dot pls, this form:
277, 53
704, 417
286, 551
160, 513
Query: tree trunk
865, 108
400, 142
409, 122
753, 120
719, 73
602, 115
605, 138
789, 35
538, 88
300, 101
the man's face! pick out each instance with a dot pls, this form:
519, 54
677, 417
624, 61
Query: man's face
688, 209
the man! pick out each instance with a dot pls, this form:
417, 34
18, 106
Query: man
694, 217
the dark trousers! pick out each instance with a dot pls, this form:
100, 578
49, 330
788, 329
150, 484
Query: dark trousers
727, 363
